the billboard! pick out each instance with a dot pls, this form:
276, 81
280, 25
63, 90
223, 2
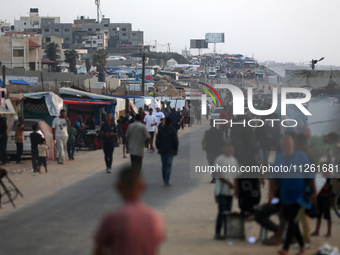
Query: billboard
198, 44
214, 37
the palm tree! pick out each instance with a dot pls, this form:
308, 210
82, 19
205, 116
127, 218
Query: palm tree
52, 49
71, 57
99, 59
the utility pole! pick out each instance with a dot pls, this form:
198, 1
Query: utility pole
42, 82
4, 77
143, 73
169, 47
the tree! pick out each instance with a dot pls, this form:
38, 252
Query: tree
52, 49
88, 64
99, 59
71, 57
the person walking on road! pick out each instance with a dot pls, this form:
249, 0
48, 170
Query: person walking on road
136, 135
59, 130
35, 138
108, 132
212, 144
292, 187
167, 145
20, 137
71, 142
133, 228
159, 115
3, 140
150, 121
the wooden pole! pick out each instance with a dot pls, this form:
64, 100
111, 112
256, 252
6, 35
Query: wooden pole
89, 86
42, 81
4, 77
56, 85
143, 73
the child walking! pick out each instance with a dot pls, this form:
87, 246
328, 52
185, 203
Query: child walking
42, 149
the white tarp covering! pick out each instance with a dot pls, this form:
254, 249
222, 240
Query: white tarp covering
79, 93
177, 104
154, 104
10, 114
308, 78
120, 106
53, 102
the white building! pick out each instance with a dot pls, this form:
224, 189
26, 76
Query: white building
33, 21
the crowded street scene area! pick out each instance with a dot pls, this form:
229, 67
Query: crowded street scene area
117, 140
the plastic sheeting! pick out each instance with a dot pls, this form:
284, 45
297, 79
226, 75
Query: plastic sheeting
309, 78
177, 104
53, 102
120, 106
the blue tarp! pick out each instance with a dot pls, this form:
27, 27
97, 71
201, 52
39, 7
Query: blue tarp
1, 82
21, 82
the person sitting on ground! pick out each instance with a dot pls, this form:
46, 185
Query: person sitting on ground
225, 186
134, 228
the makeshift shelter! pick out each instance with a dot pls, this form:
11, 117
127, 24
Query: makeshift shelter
42, 105
82, 103
171, 62
9, 113
311, 78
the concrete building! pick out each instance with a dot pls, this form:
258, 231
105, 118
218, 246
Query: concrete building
96, 42
119, 34
20, 50
5, 27
64, 30
31, 22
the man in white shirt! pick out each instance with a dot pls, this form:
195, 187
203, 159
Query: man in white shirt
225, 184
60, 135
150, 121
159, 115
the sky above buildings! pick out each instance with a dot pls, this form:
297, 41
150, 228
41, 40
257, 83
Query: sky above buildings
280, 30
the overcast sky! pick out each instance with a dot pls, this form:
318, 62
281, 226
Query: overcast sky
281, 30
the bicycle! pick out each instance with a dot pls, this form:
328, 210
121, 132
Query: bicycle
8, 193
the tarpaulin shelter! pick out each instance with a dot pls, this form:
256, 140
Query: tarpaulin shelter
83, 103
42, 105
311, 78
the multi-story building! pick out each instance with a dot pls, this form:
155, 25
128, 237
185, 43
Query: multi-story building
64, 30
5, 27
96, 42
31, 22
21, 50
119, 34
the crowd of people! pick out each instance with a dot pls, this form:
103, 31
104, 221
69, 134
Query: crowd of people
291, 196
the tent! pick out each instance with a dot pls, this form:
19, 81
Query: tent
42, 105
311, 78
84, 103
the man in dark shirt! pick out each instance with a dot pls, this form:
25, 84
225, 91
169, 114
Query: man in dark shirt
35, 138
212, 144
3, 140
91, 123
108, 132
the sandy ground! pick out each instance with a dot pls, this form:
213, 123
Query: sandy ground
189, 218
